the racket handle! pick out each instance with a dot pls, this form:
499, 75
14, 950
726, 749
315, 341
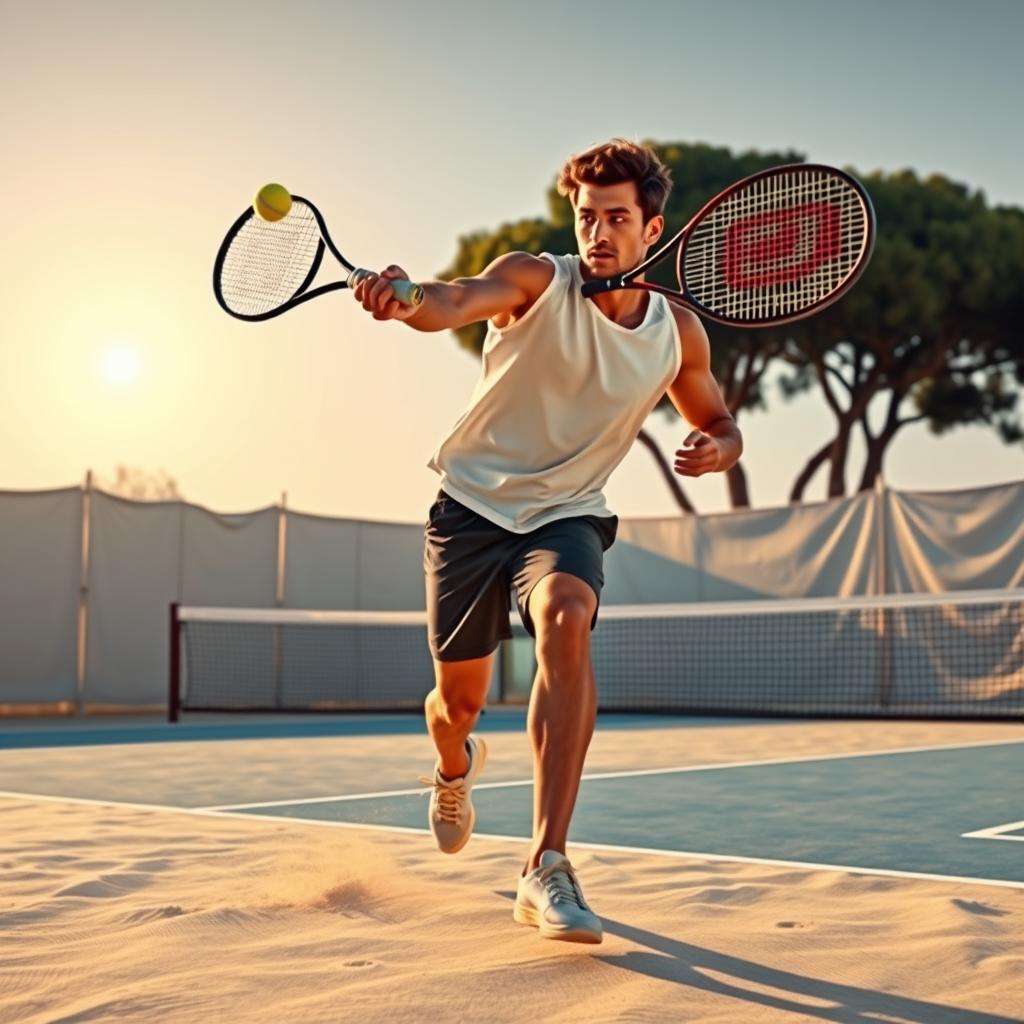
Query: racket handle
603, 284
407, 292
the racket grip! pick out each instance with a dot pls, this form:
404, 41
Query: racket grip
407, 292
602, 284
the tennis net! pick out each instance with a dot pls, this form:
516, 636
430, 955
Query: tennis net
956, 655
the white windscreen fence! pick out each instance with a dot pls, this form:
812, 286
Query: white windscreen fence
142, 556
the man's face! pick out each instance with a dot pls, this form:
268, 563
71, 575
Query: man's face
610, 229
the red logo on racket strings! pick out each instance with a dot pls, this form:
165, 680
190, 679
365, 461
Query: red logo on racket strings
784, 245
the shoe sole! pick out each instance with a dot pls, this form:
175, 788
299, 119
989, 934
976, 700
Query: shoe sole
527, 915
482, 750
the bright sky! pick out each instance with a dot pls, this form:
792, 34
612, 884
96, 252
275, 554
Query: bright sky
137, 131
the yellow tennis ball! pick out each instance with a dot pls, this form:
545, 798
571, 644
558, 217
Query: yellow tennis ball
272, 202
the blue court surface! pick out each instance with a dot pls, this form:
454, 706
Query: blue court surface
953, 810
903, 812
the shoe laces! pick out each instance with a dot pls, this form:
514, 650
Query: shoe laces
560, 883
450, 796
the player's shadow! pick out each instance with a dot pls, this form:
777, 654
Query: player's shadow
668, 959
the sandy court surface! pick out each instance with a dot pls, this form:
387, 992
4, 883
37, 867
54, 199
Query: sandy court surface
114, 913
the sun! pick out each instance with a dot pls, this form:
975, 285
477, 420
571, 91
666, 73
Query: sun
120, 365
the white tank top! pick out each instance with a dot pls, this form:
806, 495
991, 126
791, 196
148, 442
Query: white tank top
562, 394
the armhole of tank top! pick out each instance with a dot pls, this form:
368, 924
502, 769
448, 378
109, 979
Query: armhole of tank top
676, 335
558, 276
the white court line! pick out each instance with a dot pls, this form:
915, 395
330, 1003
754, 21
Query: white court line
198, 812
523, 840
637, 773
90, 802
996, 832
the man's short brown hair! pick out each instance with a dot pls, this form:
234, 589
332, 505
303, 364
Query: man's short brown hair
612, 163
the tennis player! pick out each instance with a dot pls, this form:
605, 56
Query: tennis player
565, 387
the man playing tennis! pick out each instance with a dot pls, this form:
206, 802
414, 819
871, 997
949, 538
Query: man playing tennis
565, 387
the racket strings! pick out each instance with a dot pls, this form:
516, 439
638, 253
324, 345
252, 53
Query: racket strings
781, 245
269, 261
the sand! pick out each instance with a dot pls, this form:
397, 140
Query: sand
115, 913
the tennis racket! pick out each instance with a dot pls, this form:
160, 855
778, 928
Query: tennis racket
264, 268
777, 246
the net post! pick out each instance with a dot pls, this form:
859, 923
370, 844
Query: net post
81, 661
174, 687
282, 561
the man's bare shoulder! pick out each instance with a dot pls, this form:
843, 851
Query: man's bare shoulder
530, 274
686, 320
524, 269
693, 339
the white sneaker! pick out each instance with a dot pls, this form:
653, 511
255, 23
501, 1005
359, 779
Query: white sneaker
550, 898
451, 813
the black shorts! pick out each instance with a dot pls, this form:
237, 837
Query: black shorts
472, 566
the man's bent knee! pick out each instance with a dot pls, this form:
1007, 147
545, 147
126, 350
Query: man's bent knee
563, 620
562, 604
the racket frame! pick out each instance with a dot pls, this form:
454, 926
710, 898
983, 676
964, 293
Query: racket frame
683, 296
300, 295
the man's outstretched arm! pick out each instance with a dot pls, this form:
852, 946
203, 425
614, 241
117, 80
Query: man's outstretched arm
509, 285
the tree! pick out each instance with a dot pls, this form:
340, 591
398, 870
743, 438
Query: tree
740, 358
934, 324
140, 485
